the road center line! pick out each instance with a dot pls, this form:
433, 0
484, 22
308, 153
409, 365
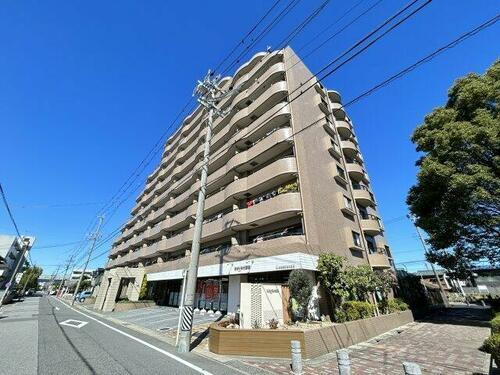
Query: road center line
164, 352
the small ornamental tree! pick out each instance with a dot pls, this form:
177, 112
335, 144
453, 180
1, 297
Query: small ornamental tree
361, 282
143, 292
331, 269
29, 279
385, 282
301, 288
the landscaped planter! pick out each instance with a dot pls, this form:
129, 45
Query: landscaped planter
131, 305
314, 342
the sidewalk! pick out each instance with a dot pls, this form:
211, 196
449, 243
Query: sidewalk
446, 344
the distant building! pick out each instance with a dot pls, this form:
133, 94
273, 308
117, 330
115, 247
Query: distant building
10, 253
47, 280
77, 273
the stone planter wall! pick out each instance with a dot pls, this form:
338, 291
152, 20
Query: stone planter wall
314, 342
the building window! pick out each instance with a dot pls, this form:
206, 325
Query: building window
348, 203
356, 238
372, 245
363, 212
341, 172
335, 146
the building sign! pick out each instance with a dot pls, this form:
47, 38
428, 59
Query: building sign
265, 264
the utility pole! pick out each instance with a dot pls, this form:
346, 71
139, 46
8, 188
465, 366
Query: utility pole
25, 246
94, 238
65, 273
445, 298
209, 95
53, 278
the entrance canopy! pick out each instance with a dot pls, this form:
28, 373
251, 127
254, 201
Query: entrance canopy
265, 264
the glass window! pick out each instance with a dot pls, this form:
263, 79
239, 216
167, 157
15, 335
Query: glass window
348, 202
341, 172
356, 238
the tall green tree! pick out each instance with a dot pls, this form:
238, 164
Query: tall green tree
30, 278
456, 199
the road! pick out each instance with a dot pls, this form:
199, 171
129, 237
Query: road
44, 335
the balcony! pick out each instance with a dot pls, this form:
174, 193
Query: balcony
356, 171
279, 208
362, 195
282, 241
344, 128
275, 209
371, 224
334, 96
338, 111
350, 148
261, 152
274, 174
379, 258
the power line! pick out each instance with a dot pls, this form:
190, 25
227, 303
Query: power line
6, 204
428, 58
62, 205
292, 35
115, 200
263, 33
301, 130
407, 70
339, 31
247, 35
304, 90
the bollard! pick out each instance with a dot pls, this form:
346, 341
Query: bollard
411, 368
344, 362
296, 358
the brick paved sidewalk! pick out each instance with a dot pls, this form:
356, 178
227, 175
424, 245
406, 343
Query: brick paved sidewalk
439, 347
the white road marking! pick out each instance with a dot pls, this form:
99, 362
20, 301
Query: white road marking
164, 352
74, 323
57, 308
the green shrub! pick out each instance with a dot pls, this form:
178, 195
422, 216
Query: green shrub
389, 306
492, 346
495, 324
354, 310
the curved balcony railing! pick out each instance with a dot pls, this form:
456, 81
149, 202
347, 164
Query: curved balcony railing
277, 208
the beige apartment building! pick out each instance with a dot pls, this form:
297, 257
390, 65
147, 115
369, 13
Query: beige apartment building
287, 182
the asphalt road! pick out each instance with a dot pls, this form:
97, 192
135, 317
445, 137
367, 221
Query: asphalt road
73, 342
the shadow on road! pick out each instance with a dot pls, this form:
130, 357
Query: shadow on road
477, 316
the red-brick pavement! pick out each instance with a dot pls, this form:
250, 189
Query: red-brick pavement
438, 347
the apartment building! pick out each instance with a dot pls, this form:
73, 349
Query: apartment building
77, 273
11, 250
287, 182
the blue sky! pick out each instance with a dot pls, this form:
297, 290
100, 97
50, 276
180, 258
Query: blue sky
88, 87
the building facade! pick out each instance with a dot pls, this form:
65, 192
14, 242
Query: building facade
286, 182
75, 275
11, 250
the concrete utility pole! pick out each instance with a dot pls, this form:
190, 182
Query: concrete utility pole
445, 298
25, 246
94, 238
65, 273
209, 95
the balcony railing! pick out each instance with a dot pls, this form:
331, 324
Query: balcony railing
286, 188
290, 231
222, 249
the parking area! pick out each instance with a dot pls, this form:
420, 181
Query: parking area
161, 318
